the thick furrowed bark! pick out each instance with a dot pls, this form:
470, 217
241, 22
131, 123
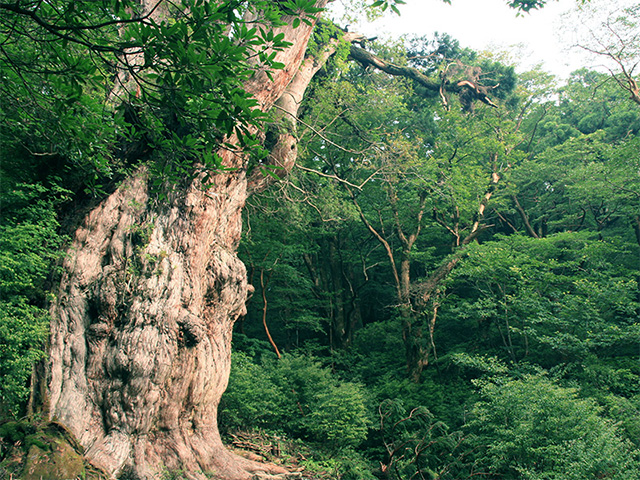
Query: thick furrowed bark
140, 346
141, 329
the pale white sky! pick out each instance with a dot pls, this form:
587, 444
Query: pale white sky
488, 25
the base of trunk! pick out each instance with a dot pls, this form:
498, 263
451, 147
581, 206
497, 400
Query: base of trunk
185, 456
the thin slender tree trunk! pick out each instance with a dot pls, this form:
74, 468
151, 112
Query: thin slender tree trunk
263, 287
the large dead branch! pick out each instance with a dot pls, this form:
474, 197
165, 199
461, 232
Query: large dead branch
465, 88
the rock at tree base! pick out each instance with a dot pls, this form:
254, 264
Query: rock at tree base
61, 463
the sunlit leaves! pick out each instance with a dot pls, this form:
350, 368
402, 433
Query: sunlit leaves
388, 4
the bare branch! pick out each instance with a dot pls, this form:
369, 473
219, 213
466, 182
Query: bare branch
314, 130
337, 178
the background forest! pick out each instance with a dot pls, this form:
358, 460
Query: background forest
447, 293
444, 288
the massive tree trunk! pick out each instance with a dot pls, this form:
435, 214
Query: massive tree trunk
141, 325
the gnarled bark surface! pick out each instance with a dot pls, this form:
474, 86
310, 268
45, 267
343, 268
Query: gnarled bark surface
141, 326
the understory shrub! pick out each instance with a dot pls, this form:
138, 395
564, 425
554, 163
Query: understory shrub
297, 396
534, 429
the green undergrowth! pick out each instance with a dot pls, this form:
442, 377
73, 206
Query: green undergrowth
296, 396
313, 461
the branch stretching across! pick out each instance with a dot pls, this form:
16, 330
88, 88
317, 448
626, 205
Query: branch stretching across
337, 178
58, 30
14, 7
479, 92
314, 130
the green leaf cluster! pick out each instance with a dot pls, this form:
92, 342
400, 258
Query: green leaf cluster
295, 395
29, 248
532, 428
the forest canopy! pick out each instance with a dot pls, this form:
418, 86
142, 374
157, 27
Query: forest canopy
442, 253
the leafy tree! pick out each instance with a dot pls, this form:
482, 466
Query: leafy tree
392, 165
586, 183
554, 300
532, 428
590, 101
609, 33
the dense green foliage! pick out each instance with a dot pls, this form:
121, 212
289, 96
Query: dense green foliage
29, 243
298, 397
523, 297
448, 292
178, 86
531, 428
